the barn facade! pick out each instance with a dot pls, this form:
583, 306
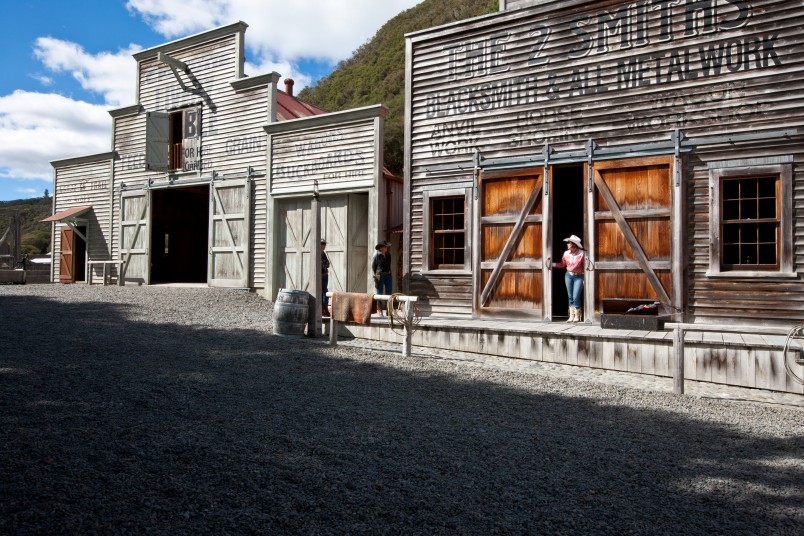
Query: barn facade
201, 186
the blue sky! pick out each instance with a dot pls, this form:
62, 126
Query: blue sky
66, 63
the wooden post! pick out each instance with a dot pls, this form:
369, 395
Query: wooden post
406, 344
678, 357
314, 311
333, 332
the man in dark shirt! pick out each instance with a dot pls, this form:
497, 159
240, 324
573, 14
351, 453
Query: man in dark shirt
324, 279
381, 268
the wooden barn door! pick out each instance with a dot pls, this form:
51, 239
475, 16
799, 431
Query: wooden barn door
67, 259
293, 245
509, 275
134, 237
334, 229
357, 244
633, 230
229, 233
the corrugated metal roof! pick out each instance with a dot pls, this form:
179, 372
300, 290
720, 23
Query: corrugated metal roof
66, 214
288, 107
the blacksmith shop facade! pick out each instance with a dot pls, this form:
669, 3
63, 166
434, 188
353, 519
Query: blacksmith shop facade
201, 185
666, 134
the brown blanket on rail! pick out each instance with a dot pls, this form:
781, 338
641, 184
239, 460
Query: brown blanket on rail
352, 306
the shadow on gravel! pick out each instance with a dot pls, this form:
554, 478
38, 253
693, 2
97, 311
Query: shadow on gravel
113, 426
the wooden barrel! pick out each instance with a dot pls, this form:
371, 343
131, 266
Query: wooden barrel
290, 312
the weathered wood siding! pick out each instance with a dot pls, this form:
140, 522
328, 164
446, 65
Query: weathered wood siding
561, 73
339, 157
232, 137
86, 183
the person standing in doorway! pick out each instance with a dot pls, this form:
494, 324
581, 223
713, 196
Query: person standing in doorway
573, 261
381, 268
324, 279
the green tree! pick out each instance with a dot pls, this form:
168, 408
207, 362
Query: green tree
375, 74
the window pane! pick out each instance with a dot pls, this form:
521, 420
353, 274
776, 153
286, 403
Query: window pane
748, 254
748, 209
748, 233
748, 188
731, 210
731, 254
767, 208
767, 187
767, 254
731, 189
731, 233
447, 232
767, 232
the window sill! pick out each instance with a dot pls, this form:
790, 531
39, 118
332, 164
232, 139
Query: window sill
770, 276
446, 272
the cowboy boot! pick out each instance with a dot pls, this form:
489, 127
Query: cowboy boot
324, 309
571, 313
578, 315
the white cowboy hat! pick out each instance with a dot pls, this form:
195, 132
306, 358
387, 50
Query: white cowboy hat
575, 240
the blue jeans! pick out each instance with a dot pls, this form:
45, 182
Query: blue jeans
324, 285
574, 289
383, 286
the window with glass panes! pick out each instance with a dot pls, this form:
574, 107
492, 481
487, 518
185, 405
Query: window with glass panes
750, 223
448, 242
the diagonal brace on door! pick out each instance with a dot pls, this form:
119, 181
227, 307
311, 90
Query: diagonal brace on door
223, 216
513, 238
628, 233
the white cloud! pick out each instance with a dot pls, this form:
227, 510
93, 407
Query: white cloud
112, 75
36, 128
280, 31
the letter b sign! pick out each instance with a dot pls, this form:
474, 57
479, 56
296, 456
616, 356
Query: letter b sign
192, 123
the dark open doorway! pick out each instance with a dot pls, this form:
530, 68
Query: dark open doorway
568, 219
179, 239
80, 255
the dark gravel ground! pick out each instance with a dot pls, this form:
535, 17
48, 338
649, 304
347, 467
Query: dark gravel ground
158, 410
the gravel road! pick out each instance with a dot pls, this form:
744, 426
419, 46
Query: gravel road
158, 410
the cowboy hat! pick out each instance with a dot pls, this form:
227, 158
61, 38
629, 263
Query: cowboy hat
382, 244
323, 241
575, 240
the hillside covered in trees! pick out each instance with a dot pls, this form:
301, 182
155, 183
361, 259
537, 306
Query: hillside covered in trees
375, 74
35, 234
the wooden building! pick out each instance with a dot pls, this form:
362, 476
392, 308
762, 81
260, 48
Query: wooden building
206, 171
667, 135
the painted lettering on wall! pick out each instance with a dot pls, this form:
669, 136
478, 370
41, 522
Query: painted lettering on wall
132, 162
243, 145
323, 165
83, 187
624, 28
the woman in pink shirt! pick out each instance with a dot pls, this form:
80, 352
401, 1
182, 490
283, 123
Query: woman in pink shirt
573, 261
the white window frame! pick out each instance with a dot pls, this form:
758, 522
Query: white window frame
781, 167
428, 197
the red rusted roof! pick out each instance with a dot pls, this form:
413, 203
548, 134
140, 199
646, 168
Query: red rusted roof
69, 213
288, 107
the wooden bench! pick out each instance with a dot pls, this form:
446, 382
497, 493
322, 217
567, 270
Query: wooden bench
106, 275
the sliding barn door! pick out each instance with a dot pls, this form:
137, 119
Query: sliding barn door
632, 230
134, 237
229, 233
509, 275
